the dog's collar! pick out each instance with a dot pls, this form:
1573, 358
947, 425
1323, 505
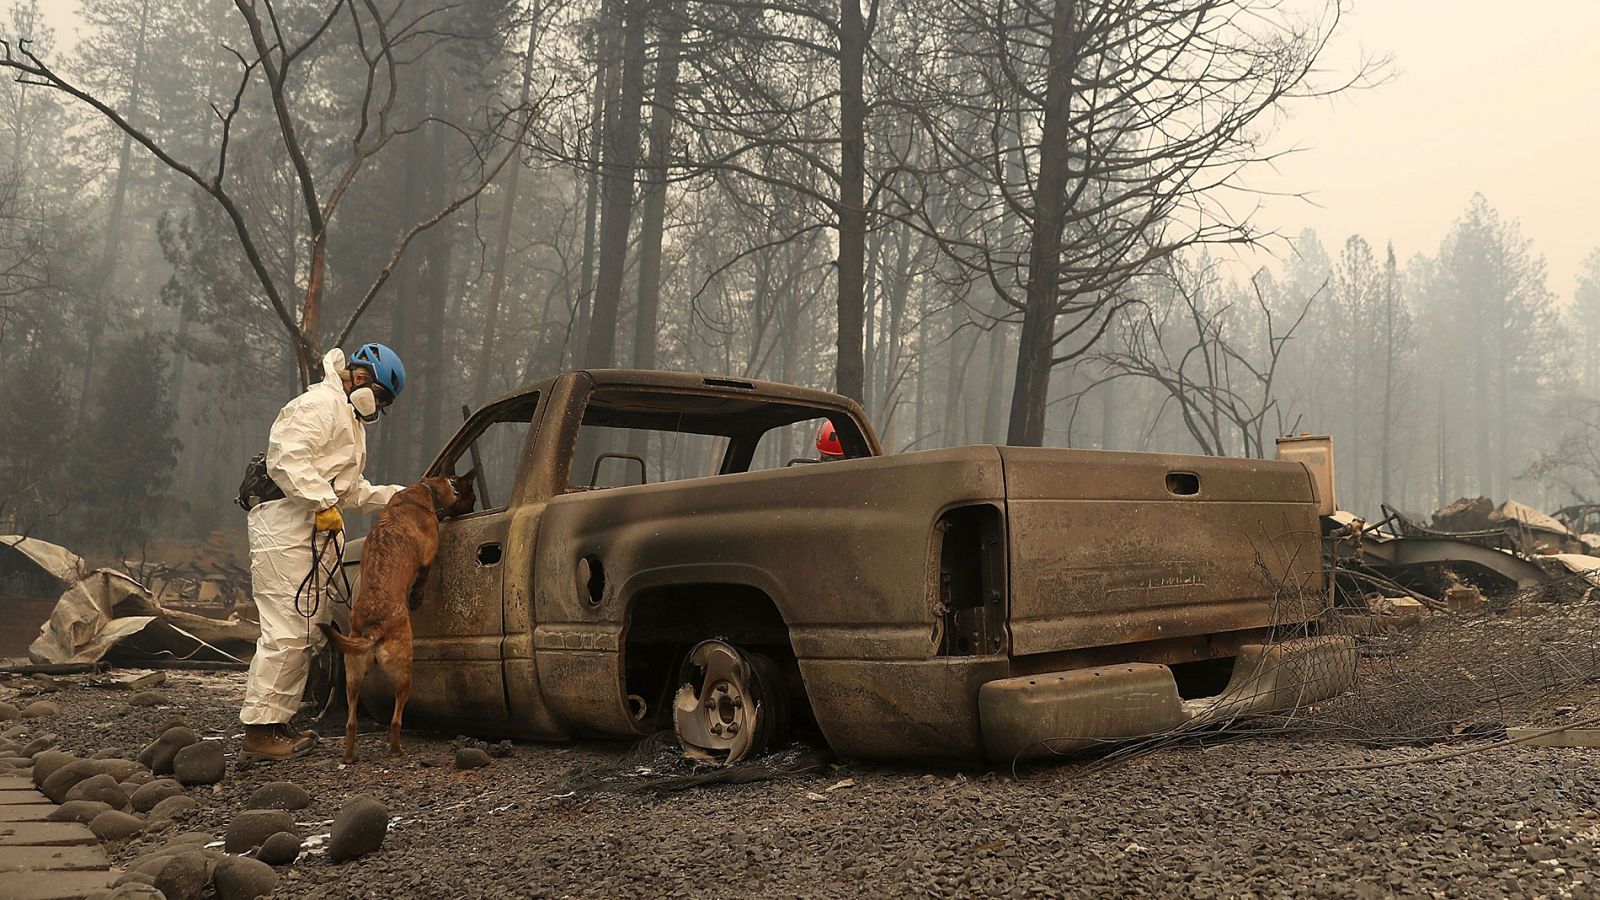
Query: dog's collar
438, 510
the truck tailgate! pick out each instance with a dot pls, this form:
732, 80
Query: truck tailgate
1106, 548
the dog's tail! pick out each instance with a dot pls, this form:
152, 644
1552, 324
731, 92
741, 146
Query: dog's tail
350, 644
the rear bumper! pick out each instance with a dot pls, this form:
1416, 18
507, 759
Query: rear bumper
901, 709
1035, 716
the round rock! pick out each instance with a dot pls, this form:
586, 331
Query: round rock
134, 878
81, 811
173, 808
115, 826
242, 878
252, 827
120, 769
148, 698
39, 744
279, 795
195, 839
151, 863
131, 890
67, 777
200, 763
8, 711
184, 875
146, 797
40, 709
103, 788
358, 829
160, 753
471, 758
46, 762
281, 849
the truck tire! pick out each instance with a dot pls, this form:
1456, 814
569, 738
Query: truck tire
731, 705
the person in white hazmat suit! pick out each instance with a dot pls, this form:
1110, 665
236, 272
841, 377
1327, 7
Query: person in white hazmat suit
315, 454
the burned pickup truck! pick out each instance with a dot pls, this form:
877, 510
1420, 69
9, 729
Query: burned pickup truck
656, 550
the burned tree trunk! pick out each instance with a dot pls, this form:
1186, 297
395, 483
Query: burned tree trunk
1037, 344
619, 168
653, 225
604, 84
851, 364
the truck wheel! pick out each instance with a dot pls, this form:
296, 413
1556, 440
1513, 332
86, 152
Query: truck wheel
731, 704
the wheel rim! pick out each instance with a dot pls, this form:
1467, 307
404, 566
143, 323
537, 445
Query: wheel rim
720, 717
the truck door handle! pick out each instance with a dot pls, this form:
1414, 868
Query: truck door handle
489, 554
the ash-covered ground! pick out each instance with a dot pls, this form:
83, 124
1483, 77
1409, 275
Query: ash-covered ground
1190, 821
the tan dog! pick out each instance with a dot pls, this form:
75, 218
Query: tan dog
394, 565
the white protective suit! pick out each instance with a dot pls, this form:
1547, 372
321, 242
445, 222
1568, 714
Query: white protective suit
315, 453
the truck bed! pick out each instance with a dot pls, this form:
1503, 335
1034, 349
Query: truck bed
1098, 552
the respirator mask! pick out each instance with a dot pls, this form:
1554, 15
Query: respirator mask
365, 400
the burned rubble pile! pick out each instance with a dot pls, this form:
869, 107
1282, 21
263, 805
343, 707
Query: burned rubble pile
1471, 551
107, 614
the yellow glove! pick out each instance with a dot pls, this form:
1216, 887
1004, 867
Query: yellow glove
330, 520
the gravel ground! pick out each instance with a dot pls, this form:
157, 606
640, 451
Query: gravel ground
1182, 821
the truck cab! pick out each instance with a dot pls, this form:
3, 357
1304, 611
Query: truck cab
567, 436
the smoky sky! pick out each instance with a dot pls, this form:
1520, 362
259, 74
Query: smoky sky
1483, 97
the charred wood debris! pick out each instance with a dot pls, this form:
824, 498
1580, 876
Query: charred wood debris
1473, 554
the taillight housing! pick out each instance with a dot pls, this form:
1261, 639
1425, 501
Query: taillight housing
969, 583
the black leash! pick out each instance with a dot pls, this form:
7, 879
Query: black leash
308, 603
309, 606
320, 578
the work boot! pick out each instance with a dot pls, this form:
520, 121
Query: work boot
270, 743
287, 731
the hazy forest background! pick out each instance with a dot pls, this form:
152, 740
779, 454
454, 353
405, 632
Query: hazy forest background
989, 221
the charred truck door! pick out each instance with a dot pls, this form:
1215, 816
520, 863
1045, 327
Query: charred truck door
458, 673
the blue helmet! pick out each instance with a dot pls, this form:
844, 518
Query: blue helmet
385, 364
